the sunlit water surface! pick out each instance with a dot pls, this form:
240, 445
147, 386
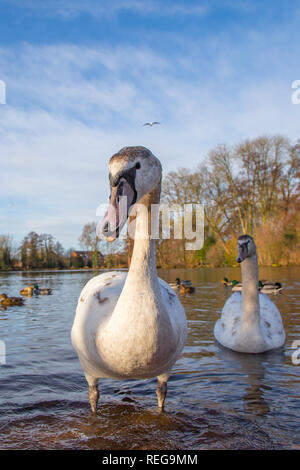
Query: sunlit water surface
216, 399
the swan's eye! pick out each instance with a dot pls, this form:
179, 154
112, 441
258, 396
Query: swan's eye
138, 165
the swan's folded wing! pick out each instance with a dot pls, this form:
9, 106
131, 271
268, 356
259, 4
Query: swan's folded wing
230, 319
271, 322
176, 313
95, 306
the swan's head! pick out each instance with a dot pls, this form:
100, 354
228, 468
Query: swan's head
246, 248
133, 172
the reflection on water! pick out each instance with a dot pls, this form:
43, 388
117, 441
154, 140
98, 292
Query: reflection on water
216, 398
253, 369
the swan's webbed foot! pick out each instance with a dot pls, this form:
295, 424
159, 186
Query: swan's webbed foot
161, 393
93, 397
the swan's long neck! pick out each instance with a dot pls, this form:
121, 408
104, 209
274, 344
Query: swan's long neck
143, 263
142, 275
250, 291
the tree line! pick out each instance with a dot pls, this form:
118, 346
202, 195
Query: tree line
252, 187
43, 251
34, 252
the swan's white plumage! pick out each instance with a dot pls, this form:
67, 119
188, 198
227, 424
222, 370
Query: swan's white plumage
231, 332
250, 322
131, 325
135, 344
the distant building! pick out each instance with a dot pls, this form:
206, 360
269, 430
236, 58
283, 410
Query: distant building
17, 264
87, 257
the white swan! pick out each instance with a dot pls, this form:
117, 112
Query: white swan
130, 325
250, 322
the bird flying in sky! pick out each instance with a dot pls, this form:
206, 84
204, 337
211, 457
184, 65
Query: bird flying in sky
151, 123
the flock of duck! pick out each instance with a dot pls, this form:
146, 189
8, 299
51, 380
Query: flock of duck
266, 287
132, 325
28, 291
185, 287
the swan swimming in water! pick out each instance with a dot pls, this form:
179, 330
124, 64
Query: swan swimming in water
130, 326
250, 321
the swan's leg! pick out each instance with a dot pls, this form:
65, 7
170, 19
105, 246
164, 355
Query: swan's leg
93, 392
161, 390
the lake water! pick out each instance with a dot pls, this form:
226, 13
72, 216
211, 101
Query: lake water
216, 399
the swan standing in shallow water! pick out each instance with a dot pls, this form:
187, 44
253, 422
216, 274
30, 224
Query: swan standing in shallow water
250, 321
130, 326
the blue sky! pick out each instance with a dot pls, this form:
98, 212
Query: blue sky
82, 77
